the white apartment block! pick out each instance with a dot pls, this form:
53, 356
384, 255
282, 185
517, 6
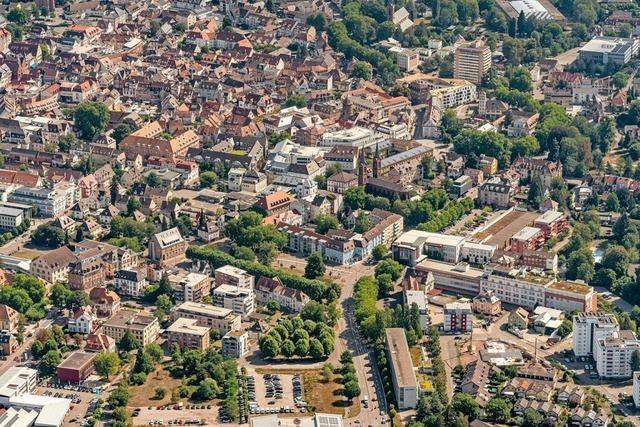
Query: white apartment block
472, 61
235, 344
408, 60
636, 389
513, 286
230, 275
613, 355
405, 384
419, 298
477, 253
240, 300
10, 217
222, 319
589, 328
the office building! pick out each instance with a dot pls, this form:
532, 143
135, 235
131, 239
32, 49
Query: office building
472, 61
240, 300
411, 247
230, 275
222, 319
48, 202
405, 385
193, 287
408, 60
604, 50
515, 286
188, 335
456, 278
457, 317
10, 218
591, 327
636, 389
76, 367
144, 326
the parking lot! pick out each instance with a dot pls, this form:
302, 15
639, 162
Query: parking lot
271, 393
80, 401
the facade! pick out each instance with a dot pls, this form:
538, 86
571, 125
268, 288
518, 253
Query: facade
472, 61
457, 317
87, 270
53, 266
144, 326
604, 50
527, 239
571, 296
76, 367
10, 217
230, 275
457, 278
193, 287
240, 300
636, 389
487, 304
408, 60
341, 182
83, 321
130, 282
497, 193
419, 298
235, 344
9, 318
222, 319
591, 327
413, 245
49, 202
613, 354
105, 301
188, 335
290, 299
405, 385
551, 223
167, 248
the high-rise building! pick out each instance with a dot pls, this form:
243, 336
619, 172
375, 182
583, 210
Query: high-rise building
472, 61
588, 328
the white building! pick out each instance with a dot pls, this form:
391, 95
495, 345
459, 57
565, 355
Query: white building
230, 275
235, 344
477, 253
16, 381
240, 300
613, 354
82, 321
352, 137
130, 282
10, 217
636, 389
589, 328
515, 286
457, 317
418, 297
408, 60
405, 384
413, 245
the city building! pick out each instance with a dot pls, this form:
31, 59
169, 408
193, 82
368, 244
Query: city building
408, 59
289, 299
16, 381
87, 270
229, 275
188, 335
527, 239
551, 223
456, 278
83, 321
9, 318
571, 296
405, 385
341, 182
612, 354
53, 266
130, 282
487, 303
472, 61
10, 217
457, 317
144, 326
193, 287
419, 298
235, 344
636, 389
76, 367
414, 245
240, 300
167, 248
105, 301
591, 327
497, 193
604, 50
219, 318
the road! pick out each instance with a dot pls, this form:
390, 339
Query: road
350, 339
18, 243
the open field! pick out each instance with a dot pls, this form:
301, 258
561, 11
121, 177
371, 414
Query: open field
325, 396
143, 395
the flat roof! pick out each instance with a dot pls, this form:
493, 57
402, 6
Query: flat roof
77, 360
401, 362
231, 271
549, 216
204, 309
526, 234
188, 326
455, 269
131, 318
417, 237
575, 287
10, 211
14, 378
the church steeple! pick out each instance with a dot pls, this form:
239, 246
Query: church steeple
362, 168
377, 162
391, 9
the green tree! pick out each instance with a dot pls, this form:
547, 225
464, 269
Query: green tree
144, 362
206, 390
354, 197
498, 410
18, 16
133, 204
379, 252
208, 179
49, 236
315, 266
120, 396
612, 203
128, 342
351, 390
326, 222
155, 351
316, 350
531, 418
269, 347
302, 347
635, 361
390, 267
520, 79
91, 118
59, 295
620, 79
296, 101
124, 129
49, 362
361, 70
106, 364
464, 403
616, 258
288, 348
362, 223
159, 393
535, 196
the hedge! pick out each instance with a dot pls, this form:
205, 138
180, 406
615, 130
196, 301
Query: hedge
315, 289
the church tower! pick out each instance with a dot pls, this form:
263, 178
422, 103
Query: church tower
362, 169
377, 163
391, 9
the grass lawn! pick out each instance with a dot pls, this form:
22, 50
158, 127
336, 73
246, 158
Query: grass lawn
27, 254
416, 355
325, 396
142, 395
